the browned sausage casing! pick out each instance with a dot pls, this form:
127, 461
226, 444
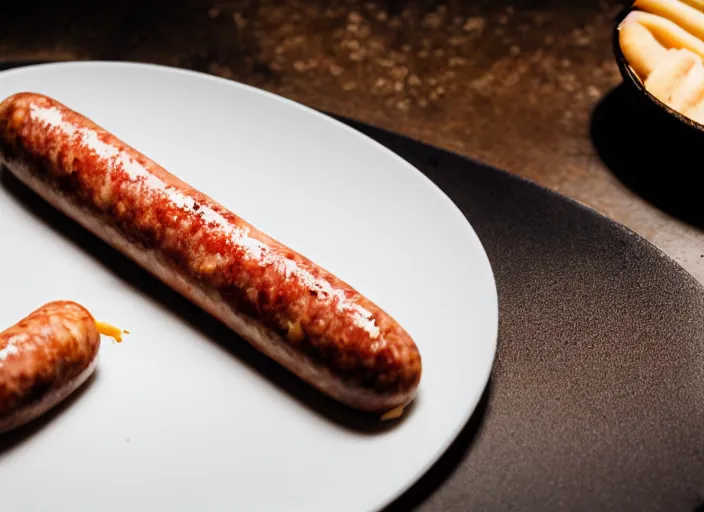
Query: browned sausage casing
43, 359
288, 307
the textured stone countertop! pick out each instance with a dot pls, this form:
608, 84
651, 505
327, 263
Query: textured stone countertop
513, 83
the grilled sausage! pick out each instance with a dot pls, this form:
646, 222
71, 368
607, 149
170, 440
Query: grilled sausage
286, 306
43, 359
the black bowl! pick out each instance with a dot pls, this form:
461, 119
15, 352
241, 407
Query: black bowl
652, 119
657, 108
653, 149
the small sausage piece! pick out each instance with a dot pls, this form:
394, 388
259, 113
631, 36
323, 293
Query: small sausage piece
285, 305
43, 359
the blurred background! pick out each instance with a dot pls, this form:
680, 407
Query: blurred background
531, 87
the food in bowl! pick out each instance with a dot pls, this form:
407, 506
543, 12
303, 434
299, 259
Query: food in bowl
663, 43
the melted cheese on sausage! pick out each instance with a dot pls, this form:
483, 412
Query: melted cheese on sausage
110, 330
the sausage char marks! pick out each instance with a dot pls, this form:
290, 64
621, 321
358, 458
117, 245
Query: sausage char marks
288, 307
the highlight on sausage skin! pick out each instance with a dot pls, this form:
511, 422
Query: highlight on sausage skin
44, 358
285, 305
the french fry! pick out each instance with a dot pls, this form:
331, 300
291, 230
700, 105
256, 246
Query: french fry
696, 113
697, 4
686, 16
668, 33
690, 91
642, 51
667, 79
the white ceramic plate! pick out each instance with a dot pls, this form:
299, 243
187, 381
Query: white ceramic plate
173, 420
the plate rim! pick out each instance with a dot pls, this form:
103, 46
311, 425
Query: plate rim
490, 344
